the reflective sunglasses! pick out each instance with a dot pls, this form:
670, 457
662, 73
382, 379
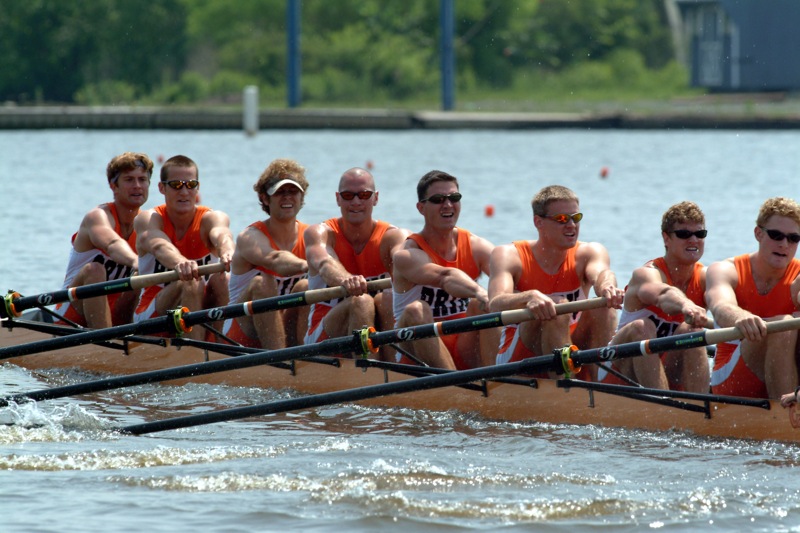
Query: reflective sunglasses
563, 218
178, 184
685, 233
776, 235
362, 195
454, 197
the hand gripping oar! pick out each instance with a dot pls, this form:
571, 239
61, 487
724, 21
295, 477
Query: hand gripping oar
15, 304
364, 342
180, 321
563, 359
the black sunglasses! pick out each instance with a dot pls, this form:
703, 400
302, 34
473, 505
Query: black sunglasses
685, 233
178, 184
362, 195
776, 235
440, 198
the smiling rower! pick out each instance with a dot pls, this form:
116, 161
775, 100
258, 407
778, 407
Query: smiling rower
749, 290
666, 297
435, 275
556, 267
270, 260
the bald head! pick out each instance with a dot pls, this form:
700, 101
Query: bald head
358, 175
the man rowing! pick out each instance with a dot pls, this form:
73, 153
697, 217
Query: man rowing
556, 267
749, 290
435, 273
666, 297
348, 251
181, 235
270, 260
104, 247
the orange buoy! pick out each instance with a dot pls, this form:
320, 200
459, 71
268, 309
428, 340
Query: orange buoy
370, 165
488, 210
604, 172
160, 158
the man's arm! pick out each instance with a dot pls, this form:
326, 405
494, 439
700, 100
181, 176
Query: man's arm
255, 249
322, 261
721, 281
97, 231
648, 287
597, 271
150, 238
505, 267
415, 266
215, 229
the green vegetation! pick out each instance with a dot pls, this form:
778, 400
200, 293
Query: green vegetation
511, 54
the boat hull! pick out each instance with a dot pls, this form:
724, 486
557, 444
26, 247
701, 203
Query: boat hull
544, 401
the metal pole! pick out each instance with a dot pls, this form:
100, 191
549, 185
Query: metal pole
293, 52
446, 21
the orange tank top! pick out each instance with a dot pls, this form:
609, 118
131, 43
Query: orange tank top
368, 262
565, 282
777, 301
694, 291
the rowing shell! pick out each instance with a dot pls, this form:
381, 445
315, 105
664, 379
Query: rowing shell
516, 400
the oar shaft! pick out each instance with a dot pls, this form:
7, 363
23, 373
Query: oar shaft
103, 288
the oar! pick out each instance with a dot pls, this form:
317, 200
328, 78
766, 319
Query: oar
15, 304
180, 321
567, 358
364, 342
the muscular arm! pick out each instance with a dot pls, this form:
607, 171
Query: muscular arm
254, 248
647, 287
322, 261
505, 268
216, 232
414, 266
721, 281
150, 238
97, 231
597, 271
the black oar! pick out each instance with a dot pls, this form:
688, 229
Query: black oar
363, 342
563, 359
15, 304
180, 321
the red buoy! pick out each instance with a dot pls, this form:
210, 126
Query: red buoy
488, 210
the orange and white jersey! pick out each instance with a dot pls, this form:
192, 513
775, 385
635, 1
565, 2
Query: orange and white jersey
367, 263
442, 304
667, 324
239, 282
191, 246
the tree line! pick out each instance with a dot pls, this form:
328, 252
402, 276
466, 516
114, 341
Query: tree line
353, 51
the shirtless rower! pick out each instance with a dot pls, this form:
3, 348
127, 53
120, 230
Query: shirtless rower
182, 235
348, 251
270, 260
666, 297
435, 277
556, 267
104, 247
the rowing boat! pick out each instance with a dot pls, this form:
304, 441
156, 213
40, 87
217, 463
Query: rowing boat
517, 399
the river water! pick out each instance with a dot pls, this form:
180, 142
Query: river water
364, 469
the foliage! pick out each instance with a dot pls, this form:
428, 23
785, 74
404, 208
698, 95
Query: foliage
354, 52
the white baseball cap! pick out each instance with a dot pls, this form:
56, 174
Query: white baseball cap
277, 185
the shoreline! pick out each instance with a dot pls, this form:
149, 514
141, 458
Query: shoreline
127, 117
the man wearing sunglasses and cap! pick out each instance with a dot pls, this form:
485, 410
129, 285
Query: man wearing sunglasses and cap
348, 251
666, 297
435, 273
556, 267
104, 247
749, 290
270, 260
181, 235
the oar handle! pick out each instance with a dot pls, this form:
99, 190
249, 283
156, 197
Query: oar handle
521, 315
148, 280
715, 336
330, 293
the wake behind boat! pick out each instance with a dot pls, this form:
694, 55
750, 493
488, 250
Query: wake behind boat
514, 399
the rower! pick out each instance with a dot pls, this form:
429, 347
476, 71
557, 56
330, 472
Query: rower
556, 267
749, 290
435, 278
182, 235
347, 251
104, 247
666, 297
270, 260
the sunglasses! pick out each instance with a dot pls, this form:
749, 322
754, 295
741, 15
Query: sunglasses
362, 195
178, 184
440, 198
563, 218
685, 233
776, 235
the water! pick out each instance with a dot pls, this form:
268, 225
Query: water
363, 469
